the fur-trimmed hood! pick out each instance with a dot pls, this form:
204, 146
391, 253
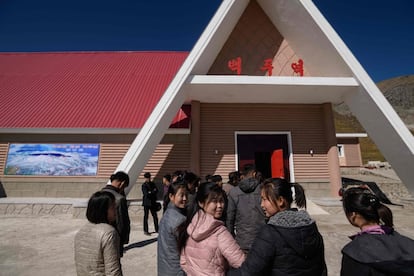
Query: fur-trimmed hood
291, 218
299, 230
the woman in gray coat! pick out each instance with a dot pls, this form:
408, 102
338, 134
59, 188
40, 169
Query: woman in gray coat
97, 243
168, 255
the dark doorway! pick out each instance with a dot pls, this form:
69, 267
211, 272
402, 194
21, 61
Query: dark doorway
263, 163
257, 149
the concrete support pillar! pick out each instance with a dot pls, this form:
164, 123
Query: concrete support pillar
332, 150
195, 137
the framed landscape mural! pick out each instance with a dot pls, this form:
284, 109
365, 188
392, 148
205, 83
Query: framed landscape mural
52, 159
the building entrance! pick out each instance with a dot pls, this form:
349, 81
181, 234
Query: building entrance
268, 152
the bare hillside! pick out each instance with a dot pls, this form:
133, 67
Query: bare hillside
398, 91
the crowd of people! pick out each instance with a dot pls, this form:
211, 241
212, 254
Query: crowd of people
247, 226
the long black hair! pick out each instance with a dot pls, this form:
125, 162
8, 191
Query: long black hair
274, 188
206, 192
362, 201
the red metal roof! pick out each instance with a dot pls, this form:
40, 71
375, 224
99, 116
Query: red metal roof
84, 89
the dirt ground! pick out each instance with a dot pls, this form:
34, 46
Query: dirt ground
44, 245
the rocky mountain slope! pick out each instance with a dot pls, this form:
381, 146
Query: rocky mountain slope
399, 92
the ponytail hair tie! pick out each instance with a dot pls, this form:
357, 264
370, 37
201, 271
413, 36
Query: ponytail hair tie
292, 188
371, 200
374, 202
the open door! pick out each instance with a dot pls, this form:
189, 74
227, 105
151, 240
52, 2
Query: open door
277, 164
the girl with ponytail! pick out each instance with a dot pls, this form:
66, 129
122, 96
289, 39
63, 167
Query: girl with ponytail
377, 249
290, 243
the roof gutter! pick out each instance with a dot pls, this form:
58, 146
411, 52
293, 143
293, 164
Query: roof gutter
85, 131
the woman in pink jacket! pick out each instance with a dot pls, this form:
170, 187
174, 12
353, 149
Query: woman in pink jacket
206, 246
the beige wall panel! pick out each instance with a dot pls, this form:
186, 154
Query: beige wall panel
310, 167
342, 161
352, 152
109, 157
173, 153
353, 155
168, 158
305, 122
3, 155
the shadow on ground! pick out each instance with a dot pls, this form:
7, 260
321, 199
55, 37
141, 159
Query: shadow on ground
139, 244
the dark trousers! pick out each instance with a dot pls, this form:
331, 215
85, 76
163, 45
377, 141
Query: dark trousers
154, 217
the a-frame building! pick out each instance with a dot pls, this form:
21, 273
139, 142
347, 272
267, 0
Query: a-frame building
235, 102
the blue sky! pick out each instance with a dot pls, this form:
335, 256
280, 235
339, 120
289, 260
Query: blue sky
379, 33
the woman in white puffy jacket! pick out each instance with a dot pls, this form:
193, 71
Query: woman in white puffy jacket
97, 243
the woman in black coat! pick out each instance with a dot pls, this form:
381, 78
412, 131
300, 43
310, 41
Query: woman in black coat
377, 249
290, 243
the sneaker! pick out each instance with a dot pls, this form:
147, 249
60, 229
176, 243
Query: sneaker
147, 234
